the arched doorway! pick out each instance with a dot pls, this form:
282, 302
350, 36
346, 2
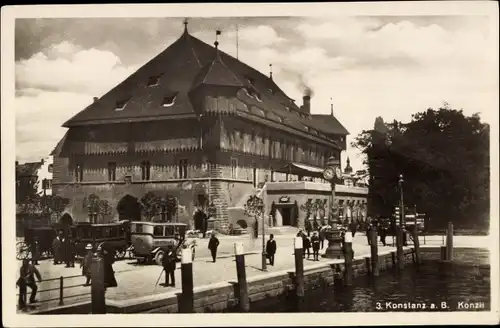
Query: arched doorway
128, 208
66, 219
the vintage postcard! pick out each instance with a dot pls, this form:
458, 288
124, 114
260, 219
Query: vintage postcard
250, 164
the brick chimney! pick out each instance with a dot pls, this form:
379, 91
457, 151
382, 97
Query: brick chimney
17, 163
96, 99
306, 100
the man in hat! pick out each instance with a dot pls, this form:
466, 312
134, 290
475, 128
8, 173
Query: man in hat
86, 264
213, 243
168, 263
315, 246
271, 249
69, 251
57, 244
108, 258
27, 279
35, 251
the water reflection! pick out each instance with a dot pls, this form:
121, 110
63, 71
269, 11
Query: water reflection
432, 283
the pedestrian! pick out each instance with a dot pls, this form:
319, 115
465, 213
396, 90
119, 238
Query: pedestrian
57, 245
213, 243
86, 264
35, 251
27, 279
306, 243
204, 224
168, 262
256, 229
383, 233
315, 241
315, 224
322, 236
308, 227
69, 252
271, 249
368, 232
109, 273
354, 228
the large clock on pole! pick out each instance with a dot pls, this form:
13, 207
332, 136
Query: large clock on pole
329, 173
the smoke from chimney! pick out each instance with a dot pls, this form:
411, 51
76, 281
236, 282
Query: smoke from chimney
306, 89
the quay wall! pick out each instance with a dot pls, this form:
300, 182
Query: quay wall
223, 296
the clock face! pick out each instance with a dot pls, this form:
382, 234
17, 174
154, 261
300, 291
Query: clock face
338, 172
328, 173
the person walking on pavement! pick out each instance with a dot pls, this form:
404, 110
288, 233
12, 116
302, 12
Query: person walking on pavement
69, 251
86, 264
57, 245
322, 236
168, 263
315, 246
383, 233
354, 227
35, 251
368, 232
213, 243
27, 279
306, 243
109, 273
271, 249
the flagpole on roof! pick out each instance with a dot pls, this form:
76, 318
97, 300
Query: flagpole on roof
237, 42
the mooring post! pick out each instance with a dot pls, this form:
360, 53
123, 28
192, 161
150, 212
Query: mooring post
61, 290
374, 252
348, 254
97, 288
443, 253
416, 244
449, 242
299, 267
243, 301
399, 248
187, 297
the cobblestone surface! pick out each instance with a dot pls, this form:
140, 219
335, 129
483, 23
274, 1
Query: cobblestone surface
139, 280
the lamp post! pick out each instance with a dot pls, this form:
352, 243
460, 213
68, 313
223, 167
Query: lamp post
332, 173
401, 205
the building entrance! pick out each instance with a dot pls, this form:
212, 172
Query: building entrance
286, 214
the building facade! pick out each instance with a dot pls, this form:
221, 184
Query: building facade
34, 177
193, 123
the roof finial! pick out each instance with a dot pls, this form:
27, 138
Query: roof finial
271, 71
216, 43
185, 22
331, 105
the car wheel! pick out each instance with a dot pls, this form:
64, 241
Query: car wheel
159, 257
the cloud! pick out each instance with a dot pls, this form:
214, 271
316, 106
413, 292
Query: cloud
66, 68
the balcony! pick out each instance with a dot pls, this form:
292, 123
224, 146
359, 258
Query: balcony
314, 186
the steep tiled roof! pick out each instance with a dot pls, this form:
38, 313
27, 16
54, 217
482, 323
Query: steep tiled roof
329, 124
179, 69
58, 147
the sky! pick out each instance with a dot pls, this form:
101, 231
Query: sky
366, 66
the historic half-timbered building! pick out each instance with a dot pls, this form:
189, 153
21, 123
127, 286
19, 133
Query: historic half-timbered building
195, 123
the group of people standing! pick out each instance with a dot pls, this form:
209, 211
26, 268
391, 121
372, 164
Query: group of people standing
316, 242
64, 250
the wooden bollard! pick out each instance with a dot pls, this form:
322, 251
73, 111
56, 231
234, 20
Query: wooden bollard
187, 298
299, 267
416, 244
61, 290
98, 288
399, 248
443, 253
374, 253
243, 301
348, 253
449, 242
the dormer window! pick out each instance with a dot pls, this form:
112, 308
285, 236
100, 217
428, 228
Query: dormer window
120, 104
279, 119
168, 101
250, 79
306, 127
288, 109
153, 81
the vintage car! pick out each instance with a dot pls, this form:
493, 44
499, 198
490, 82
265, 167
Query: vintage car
115, 235
149, 239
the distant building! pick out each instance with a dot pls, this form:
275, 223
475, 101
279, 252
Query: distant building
194, 123
34, 177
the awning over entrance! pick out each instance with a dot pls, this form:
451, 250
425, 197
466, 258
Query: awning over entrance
302, 169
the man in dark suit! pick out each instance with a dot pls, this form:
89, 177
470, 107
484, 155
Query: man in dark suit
213, 243
168, 263
271, 249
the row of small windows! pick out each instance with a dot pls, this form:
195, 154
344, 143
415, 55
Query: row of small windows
168, 101
145, 170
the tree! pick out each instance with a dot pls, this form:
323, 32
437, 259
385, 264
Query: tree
444, 158
150, 206
98, 209
254, 206
55, 204
171, 206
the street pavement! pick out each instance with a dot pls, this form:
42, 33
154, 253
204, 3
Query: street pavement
137, 280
